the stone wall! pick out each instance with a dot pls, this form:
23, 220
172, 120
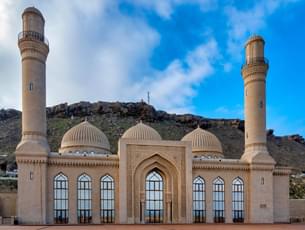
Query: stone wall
297, 210
8, 204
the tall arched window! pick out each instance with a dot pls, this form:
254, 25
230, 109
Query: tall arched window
198, 200
84, 210
219, 200
107, 199
154, 198
238, 200
61, 208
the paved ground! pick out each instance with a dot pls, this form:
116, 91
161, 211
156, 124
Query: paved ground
164, 227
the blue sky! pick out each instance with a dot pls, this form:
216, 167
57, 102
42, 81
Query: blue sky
188, 54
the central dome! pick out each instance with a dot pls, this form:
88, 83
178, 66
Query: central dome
142, 132
204, 143
84, 137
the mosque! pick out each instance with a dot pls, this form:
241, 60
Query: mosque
149, 180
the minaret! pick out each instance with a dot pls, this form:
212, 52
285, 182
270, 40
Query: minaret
254, 73
261, 164
34, 50
32, 151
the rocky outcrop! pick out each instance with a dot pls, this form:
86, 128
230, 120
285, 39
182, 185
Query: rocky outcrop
139, 111
9, 113
297, 138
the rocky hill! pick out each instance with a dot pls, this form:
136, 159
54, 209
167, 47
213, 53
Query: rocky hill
114, 118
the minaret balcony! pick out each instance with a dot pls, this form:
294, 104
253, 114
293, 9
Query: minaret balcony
32, 35
256, 61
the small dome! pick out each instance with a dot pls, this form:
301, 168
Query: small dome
204, 143
84, 137
142, 132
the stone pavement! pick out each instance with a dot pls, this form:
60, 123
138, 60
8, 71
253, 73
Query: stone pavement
163, 227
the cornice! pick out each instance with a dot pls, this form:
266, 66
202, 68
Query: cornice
282, 171
92, 161
220, 164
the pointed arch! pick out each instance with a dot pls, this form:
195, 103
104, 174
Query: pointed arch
107, 199
238, 200
84, 198
219, 200
199, 205
169, 174
61, 199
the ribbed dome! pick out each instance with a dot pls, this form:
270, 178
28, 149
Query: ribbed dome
84, 137
142, 132
204, 143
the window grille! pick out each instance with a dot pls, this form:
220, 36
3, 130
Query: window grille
107, 199
199, 212
238, 200
84, 201
154, 198
219, 200
61, 199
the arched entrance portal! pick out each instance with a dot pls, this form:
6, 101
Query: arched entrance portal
154, 197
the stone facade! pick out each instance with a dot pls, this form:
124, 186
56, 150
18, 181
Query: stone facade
149, 180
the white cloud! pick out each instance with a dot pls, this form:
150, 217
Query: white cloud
165, 8
173, 88
99, 53
243, 23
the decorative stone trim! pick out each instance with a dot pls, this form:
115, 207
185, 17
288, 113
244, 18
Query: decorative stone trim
253, 69
83, 161
255, 144
30, 160
33, 133
219, 164
282, 171
262, 167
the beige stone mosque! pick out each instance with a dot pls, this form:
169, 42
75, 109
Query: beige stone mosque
149, 180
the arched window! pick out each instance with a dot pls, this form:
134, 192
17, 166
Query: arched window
84, 210
154, 198
61, 201
219, 200
107, 199
198, 200
238, 200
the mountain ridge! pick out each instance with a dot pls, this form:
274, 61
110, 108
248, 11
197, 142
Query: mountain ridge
114, 118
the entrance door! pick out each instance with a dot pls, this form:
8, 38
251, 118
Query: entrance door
154, 198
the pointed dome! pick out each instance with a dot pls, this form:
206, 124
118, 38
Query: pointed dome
142, 132
84, 137
204, 143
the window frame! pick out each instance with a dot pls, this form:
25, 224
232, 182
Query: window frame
84, 215
238, 200
219, 200
199, 199
61, 198
109, 190
154, 197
